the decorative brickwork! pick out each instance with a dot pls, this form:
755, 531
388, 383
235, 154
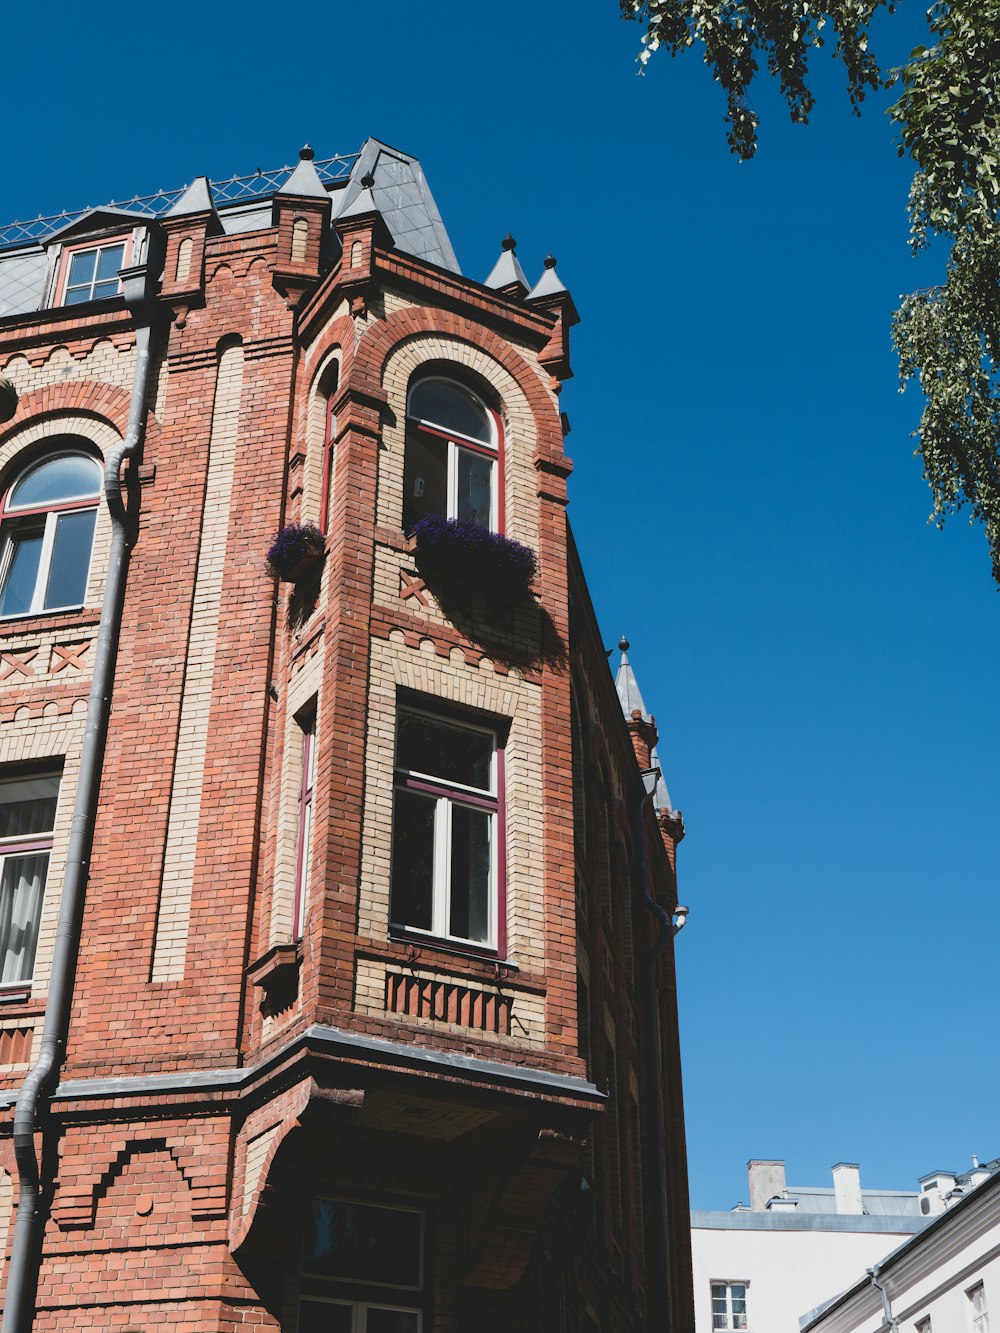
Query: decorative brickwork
251, 1027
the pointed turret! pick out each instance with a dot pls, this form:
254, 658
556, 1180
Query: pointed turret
186, 228
507, 275
300, 210
304, 182
627, 686
197, 198
550, 294
642, 732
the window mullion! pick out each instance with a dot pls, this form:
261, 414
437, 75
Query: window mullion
442, 867
44, 560
452, 479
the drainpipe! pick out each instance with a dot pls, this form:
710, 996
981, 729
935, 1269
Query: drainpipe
640, 799
138, 288
887, 1318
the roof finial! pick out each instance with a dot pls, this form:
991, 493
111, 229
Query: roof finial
623, 644
368, 180
306, 153
508, 242
550, 261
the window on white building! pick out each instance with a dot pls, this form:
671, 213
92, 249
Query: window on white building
977, 1309
729, 1306
923, 1325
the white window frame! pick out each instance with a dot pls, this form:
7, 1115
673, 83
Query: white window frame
71, 252
458, 443
15, 519
730, 1326
306, 809
359, 1310
30, 844
447, 795
923, 1325
979, 1320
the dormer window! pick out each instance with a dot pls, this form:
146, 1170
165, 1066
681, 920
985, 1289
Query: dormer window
47, 532
452, 447
92, 272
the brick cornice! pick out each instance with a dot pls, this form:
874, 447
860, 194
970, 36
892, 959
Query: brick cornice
449, 290
32, 327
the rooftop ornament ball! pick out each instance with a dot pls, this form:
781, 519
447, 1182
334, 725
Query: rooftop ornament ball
8, 399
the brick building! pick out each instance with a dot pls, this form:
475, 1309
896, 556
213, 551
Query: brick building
336, 918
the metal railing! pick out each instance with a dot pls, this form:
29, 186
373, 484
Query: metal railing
234, 190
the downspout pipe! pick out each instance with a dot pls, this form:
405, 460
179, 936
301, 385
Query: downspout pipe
887, 1317
639, 800
137, 284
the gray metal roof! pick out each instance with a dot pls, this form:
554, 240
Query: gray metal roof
22, 281
877, 1203
549, 284
507, 270
400, 193
628, 687
404, 199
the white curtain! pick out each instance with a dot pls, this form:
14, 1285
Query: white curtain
21, 888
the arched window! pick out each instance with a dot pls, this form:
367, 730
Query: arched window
47, 535
452, 447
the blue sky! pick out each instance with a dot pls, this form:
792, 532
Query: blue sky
822, 663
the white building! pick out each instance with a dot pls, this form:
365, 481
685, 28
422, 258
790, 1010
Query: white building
943, 1280
759, 1267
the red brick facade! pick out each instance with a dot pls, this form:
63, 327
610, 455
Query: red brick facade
221, 1074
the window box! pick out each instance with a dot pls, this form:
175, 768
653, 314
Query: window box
296, 552
466, 552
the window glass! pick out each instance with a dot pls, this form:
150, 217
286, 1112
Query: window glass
24, 556
363, 1243
450, 409
94, 273
444, 854
413, 859
326, 1317
27, 815
442, 750
70, 563
425, 477
383, 1319
68, 477
45, 552
475, 487
27, 806
81, 268
471, 858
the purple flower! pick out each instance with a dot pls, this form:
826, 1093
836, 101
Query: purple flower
293, 546
461, 549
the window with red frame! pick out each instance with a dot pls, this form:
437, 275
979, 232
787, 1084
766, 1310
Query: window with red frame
47, 535
92, 273
27, 818
447, 829
453, 444
307, 722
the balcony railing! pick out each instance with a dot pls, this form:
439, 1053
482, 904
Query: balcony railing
234, 190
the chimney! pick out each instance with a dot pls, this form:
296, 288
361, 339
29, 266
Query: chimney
767, 1180
847, 1188
934, 1189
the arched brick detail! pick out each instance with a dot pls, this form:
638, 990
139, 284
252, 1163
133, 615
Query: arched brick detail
88, 397
373, 351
